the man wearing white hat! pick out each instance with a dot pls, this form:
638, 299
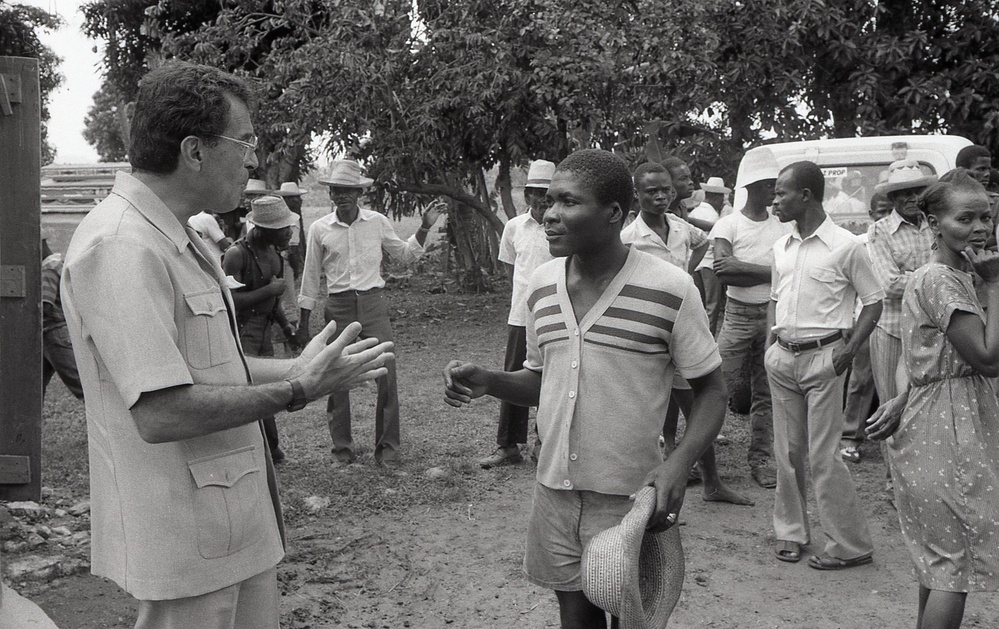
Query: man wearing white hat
523, 248
346, 247
743, 245
292, 195
254, 261
898, 245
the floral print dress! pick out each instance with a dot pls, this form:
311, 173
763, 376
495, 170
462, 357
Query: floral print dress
945, 454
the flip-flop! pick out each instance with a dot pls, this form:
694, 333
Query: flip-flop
828, 562
788, 551
850, 453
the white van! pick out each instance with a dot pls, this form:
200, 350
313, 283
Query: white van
853, 166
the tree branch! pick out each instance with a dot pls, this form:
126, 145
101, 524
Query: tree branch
460, 196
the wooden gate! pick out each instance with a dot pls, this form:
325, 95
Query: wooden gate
20, 281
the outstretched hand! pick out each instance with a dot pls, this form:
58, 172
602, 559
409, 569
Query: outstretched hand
463, 382
431, 214
343, 364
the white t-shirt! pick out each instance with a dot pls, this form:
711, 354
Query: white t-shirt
525, 246
753, 242
208, 228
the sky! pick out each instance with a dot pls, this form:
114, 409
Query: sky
81, 68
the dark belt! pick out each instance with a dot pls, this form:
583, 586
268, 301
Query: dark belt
809, 345
350, 292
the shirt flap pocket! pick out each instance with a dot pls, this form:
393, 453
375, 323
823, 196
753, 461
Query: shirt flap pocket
820, 274
223, 470
205, 302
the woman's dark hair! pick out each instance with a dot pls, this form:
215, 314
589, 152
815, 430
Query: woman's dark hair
935, 199
175, 101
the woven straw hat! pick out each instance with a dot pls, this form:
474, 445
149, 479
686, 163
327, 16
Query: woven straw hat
290, 189
715, 185
256, 187
271, 212
345, 173
634, 575
539, 175
904, 174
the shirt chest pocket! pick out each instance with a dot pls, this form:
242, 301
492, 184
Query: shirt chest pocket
208, 340
826, 281
227, 499
823, 275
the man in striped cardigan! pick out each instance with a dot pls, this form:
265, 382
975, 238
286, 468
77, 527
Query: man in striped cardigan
607, 328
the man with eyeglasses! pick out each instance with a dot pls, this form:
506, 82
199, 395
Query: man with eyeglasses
184, 509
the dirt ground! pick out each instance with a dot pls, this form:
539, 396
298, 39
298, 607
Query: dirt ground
443, 548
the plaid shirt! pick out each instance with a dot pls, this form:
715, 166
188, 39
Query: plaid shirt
52, 317
897, 248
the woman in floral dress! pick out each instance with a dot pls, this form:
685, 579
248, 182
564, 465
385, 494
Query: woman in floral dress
944, 450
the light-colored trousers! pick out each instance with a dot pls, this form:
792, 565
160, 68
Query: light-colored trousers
250, 604
808, 421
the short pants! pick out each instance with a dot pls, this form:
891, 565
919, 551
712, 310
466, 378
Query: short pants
562, 523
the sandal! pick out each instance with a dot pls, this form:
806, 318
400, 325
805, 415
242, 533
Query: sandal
850, 453
788, 551
828, 562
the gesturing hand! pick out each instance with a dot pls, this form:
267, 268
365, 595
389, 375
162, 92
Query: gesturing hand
343, 364
463, 382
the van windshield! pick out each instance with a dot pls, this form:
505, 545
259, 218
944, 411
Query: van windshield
849, 189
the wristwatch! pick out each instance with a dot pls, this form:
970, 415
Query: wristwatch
298, 399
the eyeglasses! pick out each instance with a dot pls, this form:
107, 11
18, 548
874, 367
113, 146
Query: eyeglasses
248, 145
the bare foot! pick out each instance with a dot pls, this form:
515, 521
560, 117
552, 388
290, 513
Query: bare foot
722, 493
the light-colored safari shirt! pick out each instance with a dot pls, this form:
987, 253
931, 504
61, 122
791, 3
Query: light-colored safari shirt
147, 309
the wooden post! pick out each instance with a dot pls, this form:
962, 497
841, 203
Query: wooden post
20, 281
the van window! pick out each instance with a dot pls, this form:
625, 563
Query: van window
849, 189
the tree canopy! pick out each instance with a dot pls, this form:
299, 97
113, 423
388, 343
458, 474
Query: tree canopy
433, 94
19, 28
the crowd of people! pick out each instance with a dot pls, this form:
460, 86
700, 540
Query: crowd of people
635, 299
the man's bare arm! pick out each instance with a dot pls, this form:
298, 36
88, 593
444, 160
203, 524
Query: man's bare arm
187, 411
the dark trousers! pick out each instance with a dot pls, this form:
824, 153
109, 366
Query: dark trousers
513, 419
58, 358
370, 309
255, 337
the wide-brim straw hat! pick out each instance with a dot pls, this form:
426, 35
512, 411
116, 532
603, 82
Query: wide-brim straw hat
271, 212
905, 174
290, 189
256, 187
539, 175
715, 185
758, 164
345, 173
635, 575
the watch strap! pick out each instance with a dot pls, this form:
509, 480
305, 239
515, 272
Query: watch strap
298, 399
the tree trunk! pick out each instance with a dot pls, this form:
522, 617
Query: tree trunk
505, 187
124, 127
